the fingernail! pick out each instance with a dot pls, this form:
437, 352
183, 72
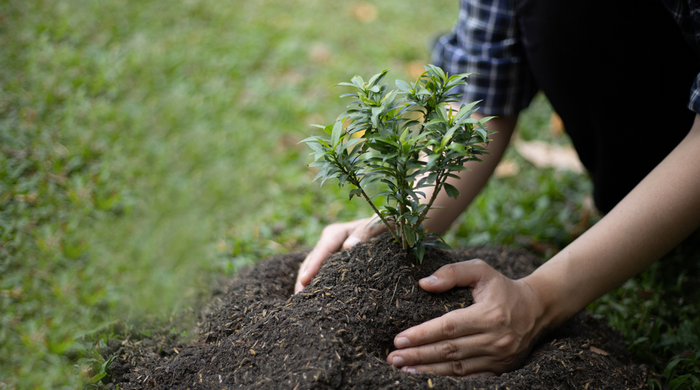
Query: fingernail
397, 361
410, 370
402, 342
430, 279
351, 241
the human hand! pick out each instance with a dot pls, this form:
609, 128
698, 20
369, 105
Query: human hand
492, 336
334, 237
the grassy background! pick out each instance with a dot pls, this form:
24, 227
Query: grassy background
149, 147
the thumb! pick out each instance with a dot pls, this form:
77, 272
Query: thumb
351, 241
463, 274
364, 230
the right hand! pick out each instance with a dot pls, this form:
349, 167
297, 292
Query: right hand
492, 336
333, 238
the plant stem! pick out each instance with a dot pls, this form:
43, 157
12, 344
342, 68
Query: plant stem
388, 226
436, 191
402, 206
352, 178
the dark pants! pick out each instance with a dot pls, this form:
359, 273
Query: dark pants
619, 74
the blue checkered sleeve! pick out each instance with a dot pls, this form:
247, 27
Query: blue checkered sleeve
687, 15
485, 40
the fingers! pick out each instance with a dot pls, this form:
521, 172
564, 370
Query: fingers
463, 274
333, 238
461, 357
363, 230
462, 342
446, 329
438, 352
491, 336
469, 368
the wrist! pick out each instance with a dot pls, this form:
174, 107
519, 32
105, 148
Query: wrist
552, 308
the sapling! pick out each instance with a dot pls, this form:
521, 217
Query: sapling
407, 139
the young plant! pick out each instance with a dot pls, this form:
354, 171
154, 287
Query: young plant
408, 139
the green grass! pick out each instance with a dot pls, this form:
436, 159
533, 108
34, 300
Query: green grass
147, 148
658, 314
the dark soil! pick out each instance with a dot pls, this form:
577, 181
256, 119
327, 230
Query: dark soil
337, 333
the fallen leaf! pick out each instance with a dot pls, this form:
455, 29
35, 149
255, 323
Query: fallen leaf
545, 155
29, 198
364, 12
415, 68
556, 125
644, 294
598, 351
221, 245
506, 168
320, 53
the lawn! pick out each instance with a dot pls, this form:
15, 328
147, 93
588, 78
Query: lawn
148, 149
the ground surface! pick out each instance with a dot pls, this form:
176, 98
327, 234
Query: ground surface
338, 331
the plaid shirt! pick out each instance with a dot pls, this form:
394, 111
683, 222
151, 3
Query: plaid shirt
485, 40
687, 15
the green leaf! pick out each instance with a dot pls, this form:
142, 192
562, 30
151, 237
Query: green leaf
106, 364
335, 135
677, 382
389, 97
313, 139
452, 192
422, 91
357, 81
432, 160
376, 111
438, 243
403, 86
438, 70
482, 133
442, 112
465, 109
420, 252
404, 135
410, 235
355, 192
670, 366
96, 378
377, 78
486, 119
351, 142
458, 148
448, 136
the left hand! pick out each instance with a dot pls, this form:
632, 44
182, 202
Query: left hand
492, 336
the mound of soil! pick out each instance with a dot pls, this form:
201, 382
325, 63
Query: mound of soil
337, 333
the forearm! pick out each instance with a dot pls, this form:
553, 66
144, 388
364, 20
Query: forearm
653, 218
472, 180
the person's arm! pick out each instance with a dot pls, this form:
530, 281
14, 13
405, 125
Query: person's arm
473, 179
495, 334
345, 235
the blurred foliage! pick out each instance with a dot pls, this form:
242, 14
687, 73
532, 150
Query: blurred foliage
147, 147
657, 312
539, 209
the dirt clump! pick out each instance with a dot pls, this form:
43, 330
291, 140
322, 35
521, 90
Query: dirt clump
337, 333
